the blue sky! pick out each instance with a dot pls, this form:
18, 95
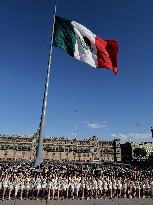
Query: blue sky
107, 105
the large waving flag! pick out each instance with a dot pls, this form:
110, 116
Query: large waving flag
80, 43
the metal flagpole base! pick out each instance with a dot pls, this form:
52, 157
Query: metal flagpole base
38, 162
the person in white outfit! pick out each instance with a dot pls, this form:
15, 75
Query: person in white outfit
56, 186
66, 188
27, 186
72, 188
22, 187
119, 188
110, 187
105, 188
130, 185
95, 183
1, 184
77, 187
59, 184
5, 185
16, 186
50, 189
134, 189
114, 188
44, 186
88, 188
83, 188
38, 187
138, 189
100, 183
11, 187
32, 186
124, 188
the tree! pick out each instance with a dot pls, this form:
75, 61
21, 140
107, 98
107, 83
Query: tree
139, 152
150, 158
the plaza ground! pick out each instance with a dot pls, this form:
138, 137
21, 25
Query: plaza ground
116, 201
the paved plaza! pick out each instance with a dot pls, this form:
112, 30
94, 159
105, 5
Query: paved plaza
81, 202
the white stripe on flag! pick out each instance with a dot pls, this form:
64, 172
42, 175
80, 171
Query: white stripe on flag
82, 51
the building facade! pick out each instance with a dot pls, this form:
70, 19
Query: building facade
148, 146
128, 150
92, 149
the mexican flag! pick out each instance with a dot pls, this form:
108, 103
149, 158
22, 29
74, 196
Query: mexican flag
80, 43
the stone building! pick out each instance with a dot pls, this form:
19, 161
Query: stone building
148, 146
19, 147
129, 147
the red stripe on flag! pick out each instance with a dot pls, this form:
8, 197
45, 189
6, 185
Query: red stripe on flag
107, 54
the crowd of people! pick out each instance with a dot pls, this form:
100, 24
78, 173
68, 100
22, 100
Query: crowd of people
74, 181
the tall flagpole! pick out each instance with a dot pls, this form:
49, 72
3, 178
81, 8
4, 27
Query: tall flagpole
39, 149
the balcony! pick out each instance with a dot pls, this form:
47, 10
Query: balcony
23, 149
3, 148
53, 149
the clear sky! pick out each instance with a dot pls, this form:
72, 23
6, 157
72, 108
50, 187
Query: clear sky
107, 105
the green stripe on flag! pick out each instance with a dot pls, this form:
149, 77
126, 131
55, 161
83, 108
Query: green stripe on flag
64, 35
